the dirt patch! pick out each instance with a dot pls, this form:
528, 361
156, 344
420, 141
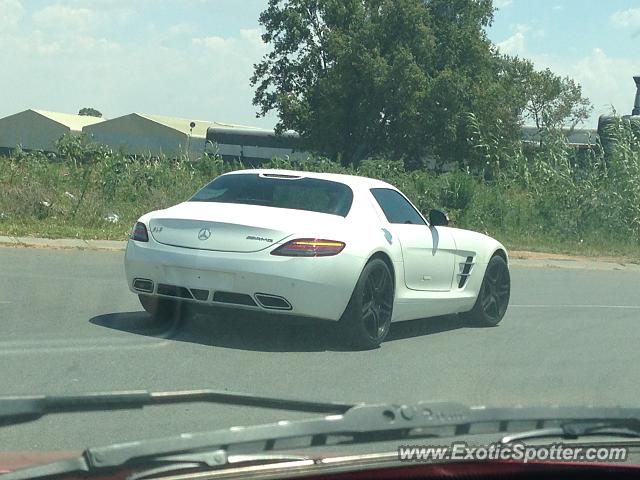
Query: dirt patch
20, 244
526, 255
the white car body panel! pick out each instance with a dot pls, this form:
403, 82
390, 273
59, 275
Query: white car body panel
428, 256
427, 261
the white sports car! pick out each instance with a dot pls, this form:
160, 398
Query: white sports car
337, 247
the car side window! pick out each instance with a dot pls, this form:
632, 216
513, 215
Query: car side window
395, 207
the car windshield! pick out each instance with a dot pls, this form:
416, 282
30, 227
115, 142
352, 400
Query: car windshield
376, 202
311, 194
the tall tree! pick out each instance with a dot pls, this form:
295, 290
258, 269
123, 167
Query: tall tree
366, 77
346, 73
359, 78
554, 102
90, 112
467, 77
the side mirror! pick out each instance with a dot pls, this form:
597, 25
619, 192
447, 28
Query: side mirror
438, 218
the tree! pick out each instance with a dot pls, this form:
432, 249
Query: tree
365, 77
90, 112
554, 102
362, 78
338, 71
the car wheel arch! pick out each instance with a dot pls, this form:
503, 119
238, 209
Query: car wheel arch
502, 253
386, 259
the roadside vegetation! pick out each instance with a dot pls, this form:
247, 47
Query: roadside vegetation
552, 198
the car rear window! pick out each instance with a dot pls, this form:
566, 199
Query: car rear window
298, 193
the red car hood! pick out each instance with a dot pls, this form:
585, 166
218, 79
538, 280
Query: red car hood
10, 461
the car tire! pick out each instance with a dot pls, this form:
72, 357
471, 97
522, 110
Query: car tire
162, 310
367, 318
493, 299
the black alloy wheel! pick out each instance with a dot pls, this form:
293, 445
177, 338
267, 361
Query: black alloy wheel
367, 318
493, 298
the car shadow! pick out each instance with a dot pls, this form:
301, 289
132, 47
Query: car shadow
237, 330
255, 331
427, 326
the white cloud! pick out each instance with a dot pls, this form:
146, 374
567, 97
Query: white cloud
607, 81
516, 44
253, 37
248, 43
180, 29
215, 44
180, 75
65, 18
11, 12
626, 18
93, 44
81, 17
58, 31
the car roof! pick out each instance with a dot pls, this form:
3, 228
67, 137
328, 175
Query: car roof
354, 181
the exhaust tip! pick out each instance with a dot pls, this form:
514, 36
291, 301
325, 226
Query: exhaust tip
272, 302
143, 285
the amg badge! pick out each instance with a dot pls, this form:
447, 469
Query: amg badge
262, 239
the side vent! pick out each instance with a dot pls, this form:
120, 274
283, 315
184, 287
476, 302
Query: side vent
465, 271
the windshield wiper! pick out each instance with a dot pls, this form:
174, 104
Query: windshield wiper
212, 459
360, 423
22, 409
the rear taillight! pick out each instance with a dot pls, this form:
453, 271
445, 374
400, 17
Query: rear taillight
309, 247
139, 233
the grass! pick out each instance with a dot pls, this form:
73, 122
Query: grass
54, 228
599, 247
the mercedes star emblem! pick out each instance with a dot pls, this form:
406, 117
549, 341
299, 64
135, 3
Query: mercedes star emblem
204, 234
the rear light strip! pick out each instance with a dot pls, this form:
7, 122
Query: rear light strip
309, 247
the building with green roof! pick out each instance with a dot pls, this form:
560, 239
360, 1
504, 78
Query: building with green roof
39, 129
144, 134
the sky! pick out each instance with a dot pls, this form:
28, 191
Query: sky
193, 58
596, 43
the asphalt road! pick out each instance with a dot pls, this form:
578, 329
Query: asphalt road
68, 324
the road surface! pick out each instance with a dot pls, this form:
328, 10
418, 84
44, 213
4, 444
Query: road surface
68, 324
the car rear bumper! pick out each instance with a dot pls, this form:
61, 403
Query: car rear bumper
317, 287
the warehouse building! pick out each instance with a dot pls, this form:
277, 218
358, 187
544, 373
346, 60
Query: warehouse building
143, 134
39, 129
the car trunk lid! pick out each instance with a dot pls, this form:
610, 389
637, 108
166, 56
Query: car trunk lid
230, 227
